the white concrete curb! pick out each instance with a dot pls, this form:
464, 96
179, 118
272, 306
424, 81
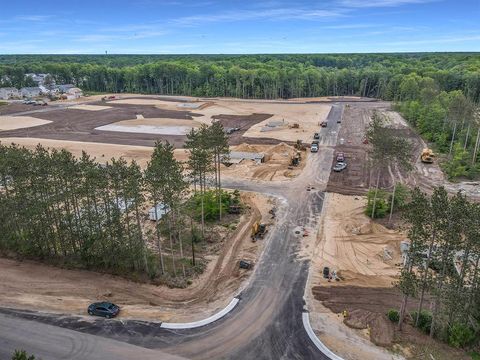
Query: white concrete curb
211, 319
321, 346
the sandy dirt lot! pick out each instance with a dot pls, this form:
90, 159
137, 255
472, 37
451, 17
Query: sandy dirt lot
168, 105
361, 251
280, 125
90, 107
20, 122
275, 168
364, 254
101, 152
28, 284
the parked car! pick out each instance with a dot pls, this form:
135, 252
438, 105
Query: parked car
340, 157
339, 166
105, 309
324, 124
326, 272
244, 264
314, 148
316, 136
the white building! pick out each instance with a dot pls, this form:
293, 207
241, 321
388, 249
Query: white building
73, 93
65, 87
8, 93
158, 211
28, 92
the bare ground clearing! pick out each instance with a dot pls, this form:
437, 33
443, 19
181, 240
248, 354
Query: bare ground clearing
20, 122
27, 284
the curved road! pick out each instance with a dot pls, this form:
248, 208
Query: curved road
266, 324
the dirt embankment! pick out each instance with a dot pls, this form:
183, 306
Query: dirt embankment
35, 286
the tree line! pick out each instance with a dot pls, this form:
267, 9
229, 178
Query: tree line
441, 268
251, 76
57, 208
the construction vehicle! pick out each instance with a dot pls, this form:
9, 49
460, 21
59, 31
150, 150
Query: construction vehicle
258, 231
299, 145
427, 156
295, 160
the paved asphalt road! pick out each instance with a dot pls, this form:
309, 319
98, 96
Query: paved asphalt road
266, 324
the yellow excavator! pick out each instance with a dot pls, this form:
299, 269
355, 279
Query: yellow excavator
427, 156
258, 231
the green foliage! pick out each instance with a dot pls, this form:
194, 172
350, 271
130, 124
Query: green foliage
386, 76
393, 315
460, 165
424, 321
475, 355
381, 204
3, 103
401, 196
460, 335
22, 355
211, 205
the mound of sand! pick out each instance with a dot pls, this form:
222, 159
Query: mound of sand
20, 122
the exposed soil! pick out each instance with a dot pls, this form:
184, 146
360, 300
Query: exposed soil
19, 122
29, 284
13, 108
275, 168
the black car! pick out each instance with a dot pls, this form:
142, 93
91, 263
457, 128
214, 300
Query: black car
316, 136
105, 309
326, 272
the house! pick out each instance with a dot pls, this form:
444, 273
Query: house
73, 93
28, 92
157, 212
65, 87
39, 79
8, 93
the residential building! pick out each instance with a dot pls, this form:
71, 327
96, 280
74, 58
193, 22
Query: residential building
28, 92
8, 93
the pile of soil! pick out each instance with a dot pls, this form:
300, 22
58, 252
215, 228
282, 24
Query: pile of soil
382, 332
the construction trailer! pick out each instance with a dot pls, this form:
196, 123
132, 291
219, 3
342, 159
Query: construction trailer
158, 211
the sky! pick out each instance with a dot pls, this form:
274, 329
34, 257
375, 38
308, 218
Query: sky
238, 27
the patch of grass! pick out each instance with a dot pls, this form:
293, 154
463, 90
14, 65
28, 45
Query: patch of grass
3, 103
475, 355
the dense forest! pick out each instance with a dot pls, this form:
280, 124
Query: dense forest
251, 76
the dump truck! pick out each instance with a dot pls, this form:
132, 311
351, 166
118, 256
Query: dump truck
258, 231
427, 156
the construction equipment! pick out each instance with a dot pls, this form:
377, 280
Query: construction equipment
295, 160
427, 156
299, 145
258, 231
